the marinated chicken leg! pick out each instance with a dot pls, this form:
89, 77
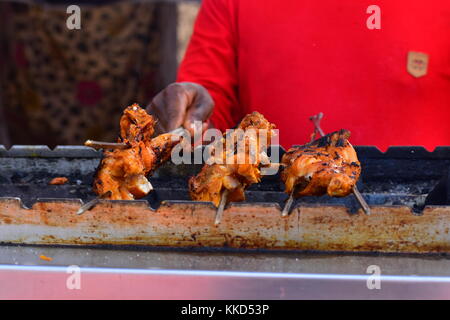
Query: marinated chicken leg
234, 168
328, 165
123, 171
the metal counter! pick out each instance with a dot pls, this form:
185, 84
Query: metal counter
181, 274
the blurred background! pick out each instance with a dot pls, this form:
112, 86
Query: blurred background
62, 86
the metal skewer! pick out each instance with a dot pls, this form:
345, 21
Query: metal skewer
222, 204
120, 145
89, 205
362, 202
288, 205
105, 145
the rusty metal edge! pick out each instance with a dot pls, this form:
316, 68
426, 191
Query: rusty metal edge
190, 224
169, 203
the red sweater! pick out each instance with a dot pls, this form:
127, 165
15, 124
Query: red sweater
291, 59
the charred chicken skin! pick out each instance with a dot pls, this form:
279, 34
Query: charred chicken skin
328, 165
238, 165
123, 172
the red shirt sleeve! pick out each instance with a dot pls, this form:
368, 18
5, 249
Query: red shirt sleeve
211, 59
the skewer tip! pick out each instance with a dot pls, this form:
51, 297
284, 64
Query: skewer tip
89, 205
287, 207
221, 208
362, 202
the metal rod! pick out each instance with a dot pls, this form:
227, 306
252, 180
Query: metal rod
362, 202
222, 204
120, 145
288, 205
105, 145
89, 205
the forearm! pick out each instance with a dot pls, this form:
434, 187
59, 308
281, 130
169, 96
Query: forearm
210, 60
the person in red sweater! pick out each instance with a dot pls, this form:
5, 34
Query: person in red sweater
381, 71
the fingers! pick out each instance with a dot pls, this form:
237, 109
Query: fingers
177, 100
153, 110
199, 110
169, 107
181, 104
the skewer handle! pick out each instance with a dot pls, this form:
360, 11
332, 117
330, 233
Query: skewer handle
316, 121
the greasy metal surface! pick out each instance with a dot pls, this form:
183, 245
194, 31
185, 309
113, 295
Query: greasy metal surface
169, 274
50, 283
229, 261
394, 183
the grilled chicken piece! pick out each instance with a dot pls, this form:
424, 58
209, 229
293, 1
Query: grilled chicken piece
238, 165
124, 171
136, 125
328, 165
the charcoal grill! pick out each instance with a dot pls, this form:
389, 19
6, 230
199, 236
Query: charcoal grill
395, 185
254, 253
